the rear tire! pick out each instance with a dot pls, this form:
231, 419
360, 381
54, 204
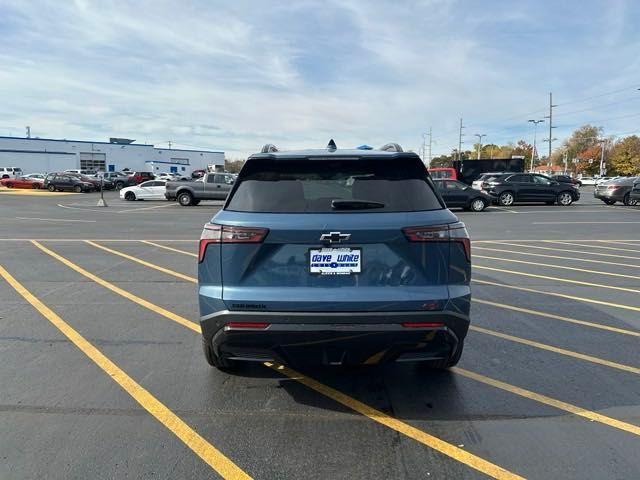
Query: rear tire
506, 199
478, 205
77, 189
51, 188
446, 363
36, 186
216, 361
565, 199
9, 185
185, 199
119, 185
129, 196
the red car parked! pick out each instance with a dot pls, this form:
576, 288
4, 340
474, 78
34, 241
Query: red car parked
22, 182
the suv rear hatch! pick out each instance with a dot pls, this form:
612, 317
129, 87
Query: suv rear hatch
334, 236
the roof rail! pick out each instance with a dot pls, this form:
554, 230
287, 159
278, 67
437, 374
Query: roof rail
269, 148
391, 147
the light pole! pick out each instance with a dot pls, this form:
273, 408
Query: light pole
479, 135
602, 145
533, 148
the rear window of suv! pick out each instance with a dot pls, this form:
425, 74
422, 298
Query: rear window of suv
320, 186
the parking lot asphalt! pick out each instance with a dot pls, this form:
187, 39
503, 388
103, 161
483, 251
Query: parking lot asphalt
102, 373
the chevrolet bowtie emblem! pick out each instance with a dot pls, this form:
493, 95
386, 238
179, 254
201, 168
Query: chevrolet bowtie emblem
334, 237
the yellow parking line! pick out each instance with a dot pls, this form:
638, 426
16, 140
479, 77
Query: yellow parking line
546, 255
560, 295
201, 447
563, 267
557, 279
140, 301
464, 457
441, 446
552, 402
169, 248
564, 250
561, 351
591, 246
557, 317
434, 442
142, 262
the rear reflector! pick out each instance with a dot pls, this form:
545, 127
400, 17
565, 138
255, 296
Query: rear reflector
422, 324
453, 232
213, 233
248, 325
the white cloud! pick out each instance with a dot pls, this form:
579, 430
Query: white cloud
236, 75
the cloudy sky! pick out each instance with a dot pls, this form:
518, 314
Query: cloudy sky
236, 75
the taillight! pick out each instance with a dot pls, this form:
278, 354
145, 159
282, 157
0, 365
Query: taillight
248, 325
213, 233
422, 324
453, 232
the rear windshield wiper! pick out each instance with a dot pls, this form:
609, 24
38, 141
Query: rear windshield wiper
355, 204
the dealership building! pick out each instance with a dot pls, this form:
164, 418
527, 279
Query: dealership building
44, 155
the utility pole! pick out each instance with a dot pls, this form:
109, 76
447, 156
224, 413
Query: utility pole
28, 131
551, 127
602, 169
479, 135
430, 142
533, 148
460, 141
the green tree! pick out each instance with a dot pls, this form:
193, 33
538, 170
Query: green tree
233, 165
624, 157
580, 140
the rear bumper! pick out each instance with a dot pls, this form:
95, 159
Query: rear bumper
353, 338
608, 195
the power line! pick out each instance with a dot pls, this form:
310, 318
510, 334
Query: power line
584, 99
624, 100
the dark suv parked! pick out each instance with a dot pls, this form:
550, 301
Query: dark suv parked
616, 190
566, 179
63, 181
334, 257
95, 181
508, 189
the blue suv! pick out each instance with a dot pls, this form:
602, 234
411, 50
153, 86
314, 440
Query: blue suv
334, 257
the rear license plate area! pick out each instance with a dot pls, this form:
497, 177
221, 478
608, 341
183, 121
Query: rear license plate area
335, 261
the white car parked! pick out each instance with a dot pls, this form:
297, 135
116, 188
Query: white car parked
37, 176
10, 172
588, 180
150, 190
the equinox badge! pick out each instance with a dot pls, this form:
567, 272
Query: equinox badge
334, 237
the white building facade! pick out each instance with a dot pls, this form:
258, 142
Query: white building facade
48, 155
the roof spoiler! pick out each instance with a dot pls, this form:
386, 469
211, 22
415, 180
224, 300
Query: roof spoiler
269, 148
391, 147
